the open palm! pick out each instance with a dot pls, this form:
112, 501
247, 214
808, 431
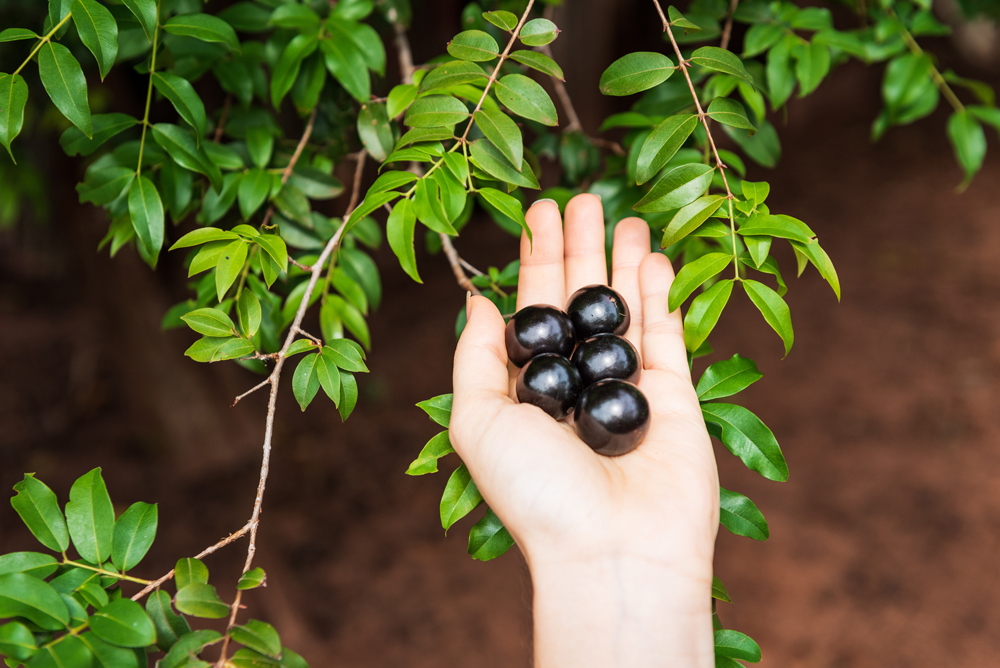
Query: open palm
559, 499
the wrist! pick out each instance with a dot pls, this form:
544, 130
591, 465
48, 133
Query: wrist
621, 610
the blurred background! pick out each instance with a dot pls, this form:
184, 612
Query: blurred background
883, 541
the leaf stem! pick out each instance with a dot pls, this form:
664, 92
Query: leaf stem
42, 42
732, 231
110, 574
149, 92
684, 65
936, 77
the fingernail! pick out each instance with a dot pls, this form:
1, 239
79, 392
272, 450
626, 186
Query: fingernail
468, 304
546, 199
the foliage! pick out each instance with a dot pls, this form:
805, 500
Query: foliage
243, 194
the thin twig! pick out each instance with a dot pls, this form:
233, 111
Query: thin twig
251, 391
560, 86
295, 158
496, 70
936, 77
223, 118
456, 265
309, 336
204, 553
403, 47
470, 267
727, 30
304, 267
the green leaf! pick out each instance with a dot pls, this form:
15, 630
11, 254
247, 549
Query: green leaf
223, 157
502, 19
438, 408
260, 142
726, 378
349, 395
38, 508
16, 35
508, 206
489, 539
249, 313
762, 147
346, 355
400, 230
315, 183
693, 274
677, 188
24, 596
968, 140
371, 202
719, 590
98, 31
502, 132
63, 80
452, 73
204, 235
780, 73
818, 257
540, 62
721, 60
35, 564
252, 579
91, 517
458, 165
287, 68
181, 146
662, 143
133, 535
538, 32
188, 645
146, 13
13, 98
758, 247
741, 516
70, 651
689, 218
305, 382
16, 641
200, 600
435, 111
812, 65
364, 38
299, 17
375, 131
427, 460
347, 65
474, 45
748, 438
525, 97
784, 227
773, 308
352, 319
677, 19
181, 94
635, 73
253, 191
189, 571
107, 655
704, 312
105, 126
210, 322
146, 209
730, 112
123, 623
736, 645
761, 37
230, 265
275, 247
400, 98
205, 27
206, 349
169, 625
488, 158
309, 85
460, 497
258, 636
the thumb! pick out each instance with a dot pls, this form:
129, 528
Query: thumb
480, 375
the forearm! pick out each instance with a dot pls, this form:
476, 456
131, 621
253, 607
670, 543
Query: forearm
620, 612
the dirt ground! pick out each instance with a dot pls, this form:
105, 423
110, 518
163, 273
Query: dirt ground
884, 540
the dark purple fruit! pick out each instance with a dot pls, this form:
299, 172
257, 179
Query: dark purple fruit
550, 382
607, 356
535, 330
597, 309
612, 417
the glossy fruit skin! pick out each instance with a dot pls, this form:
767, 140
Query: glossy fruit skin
612, 417
607, 356
550, 382
597, 309
539, 329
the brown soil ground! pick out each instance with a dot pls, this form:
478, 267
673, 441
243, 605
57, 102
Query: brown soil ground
884, 540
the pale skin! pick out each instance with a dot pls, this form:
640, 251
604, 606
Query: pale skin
620, 549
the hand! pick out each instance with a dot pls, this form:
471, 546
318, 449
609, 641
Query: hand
624, 541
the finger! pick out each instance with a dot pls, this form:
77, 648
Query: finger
662, 331
480, 375
630, 248
541, 279
586, 263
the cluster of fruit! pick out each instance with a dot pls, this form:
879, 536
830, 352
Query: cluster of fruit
594, 380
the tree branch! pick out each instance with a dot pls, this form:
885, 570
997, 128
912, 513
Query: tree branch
455, 260
727, 30
295, 158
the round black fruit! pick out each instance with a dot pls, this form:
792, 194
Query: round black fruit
607, 356
612, 417
535, 330
550, 382
597, 309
